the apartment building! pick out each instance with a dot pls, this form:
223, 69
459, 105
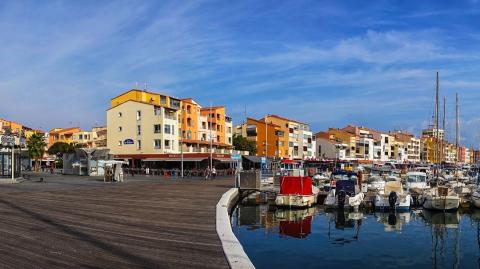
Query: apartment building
141, 122
148, 126
271, 139
62, 135
328, 147
202, 127
300, 137
279, 137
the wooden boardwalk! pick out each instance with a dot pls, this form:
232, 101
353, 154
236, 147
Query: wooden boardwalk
85, 223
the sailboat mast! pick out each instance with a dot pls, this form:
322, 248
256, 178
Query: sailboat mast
437, 121
457, 123
443, 127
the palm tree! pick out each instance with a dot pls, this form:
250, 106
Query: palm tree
36, 147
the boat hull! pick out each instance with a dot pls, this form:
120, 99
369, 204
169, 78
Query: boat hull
354, 202
476, 200
447, 203
381, 203
295, 200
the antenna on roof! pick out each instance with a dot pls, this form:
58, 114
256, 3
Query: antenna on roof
146, 86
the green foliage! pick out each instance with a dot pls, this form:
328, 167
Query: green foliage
242, 143
36, 146
59, 148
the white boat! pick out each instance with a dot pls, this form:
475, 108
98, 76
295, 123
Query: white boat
417, 181
392, 198
441, 198
375, 183
475, 199
346, 195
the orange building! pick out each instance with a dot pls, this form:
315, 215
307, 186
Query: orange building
62, 135
15, 127
268, 137
216, 120
190, 119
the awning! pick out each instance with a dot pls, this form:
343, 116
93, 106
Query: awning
224, 160
253, 159
174, 159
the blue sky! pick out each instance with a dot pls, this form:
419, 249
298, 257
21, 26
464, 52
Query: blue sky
329, 63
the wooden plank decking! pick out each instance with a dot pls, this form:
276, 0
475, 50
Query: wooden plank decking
79, 222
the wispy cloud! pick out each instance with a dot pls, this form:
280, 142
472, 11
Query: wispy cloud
336, 63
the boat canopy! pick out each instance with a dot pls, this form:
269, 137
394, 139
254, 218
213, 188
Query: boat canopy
348, 186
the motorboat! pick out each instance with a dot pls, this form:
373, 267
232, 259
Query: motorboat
417, 181
475, 199
375, 183
441, 198
346, 194
296, 191
392, 198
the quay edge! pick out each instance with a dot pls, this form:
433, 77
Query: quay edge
236, 256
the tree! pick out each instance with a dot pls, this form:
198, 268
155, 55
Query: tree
36, 147
242, 143
59, 148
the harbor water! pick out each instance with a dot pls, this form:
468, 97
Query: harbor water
313, 238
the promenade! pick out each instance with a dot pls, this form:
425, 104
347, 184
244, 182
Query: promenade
82, 222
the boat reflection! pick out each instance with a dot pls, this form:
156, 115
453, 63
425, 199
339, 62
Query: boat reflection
295, 222
442, 219
344, 222
391, 221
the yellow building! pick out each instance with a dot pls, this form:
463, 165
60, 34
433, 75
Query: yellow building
62, 135
150, 126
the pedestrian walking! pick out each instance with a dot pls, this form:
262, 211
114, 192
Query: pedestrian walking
214, 173
207, 173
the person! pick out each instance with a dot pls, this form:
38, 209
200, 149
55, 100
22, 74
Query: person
207, 173
147, 171
214, 172
132, 172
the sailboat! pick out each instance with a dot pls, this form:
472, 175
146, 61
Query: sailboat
441, 197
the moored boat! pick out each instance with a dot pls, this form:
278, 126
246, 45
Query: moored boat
441, 198
346, 195
296, 191
392, 198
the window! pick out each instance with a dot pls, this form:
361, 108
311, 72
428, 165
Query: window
120, 114
119, 128
80, 136
204, 125
120, 143
139, 114
229, 130
229, 140
167, 129
167, 144
163, 100
139, 130
157, 128
157, 111
139, 144
189, 134
157, 144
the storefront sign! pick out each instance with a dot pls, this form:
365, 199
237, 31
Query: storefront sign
8, 140
128, 142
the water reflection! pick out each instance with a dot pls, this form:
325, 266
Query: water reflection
421, 239
295, 222
393, 222
348, 223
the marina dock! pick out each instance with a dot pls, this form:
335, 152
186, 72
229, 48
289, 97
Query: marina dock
146, 222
